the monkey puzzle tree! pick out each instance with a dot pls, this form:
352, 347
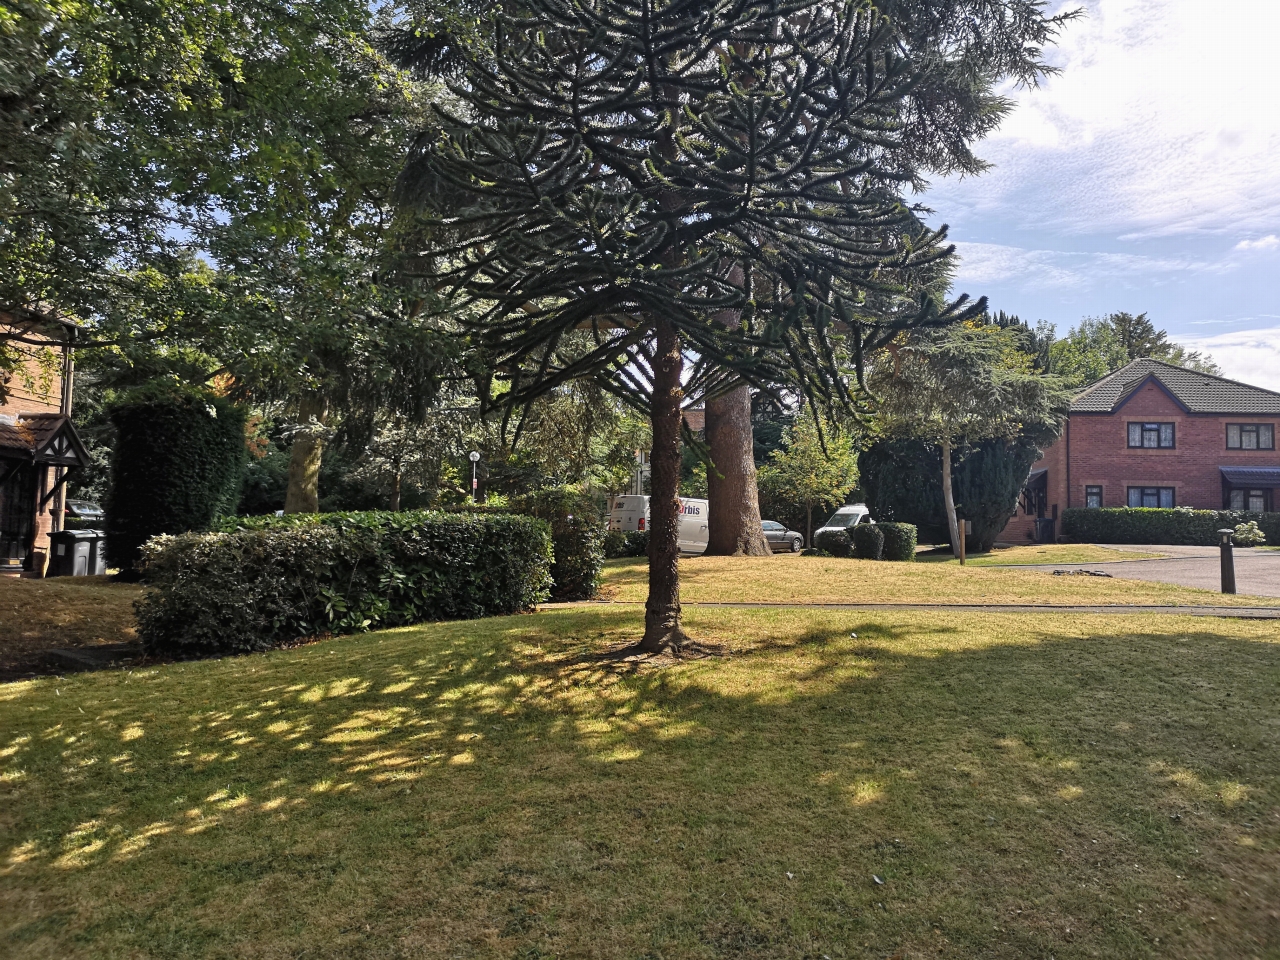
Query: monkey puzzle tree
642, 169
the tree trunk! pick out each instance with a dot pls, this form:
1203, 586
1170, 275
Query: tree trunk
949, 500
662, 609
733, 523
303, 493
395, 491
808, 542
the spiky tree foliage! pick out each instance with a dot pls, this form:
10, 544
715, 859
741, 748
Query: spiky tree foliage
644, 169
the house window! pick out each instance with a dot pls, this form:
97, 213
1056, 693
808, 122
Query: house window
1093, 497
1255, 501
1251, 436
1151, 497
1151, 435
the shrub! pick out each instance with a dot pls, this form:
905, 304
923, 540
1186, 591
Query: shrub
279, 579
578, 564
868, 541
1180, 525
626, 543
1248, 534
177, 463
834, 543
899, 541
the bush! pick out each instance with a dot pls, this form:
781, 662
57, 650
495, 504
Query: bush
578, 564
1180, 525
899, 541
626, 543
868, 541
276, 580
178, 462
834, 543
1248, 535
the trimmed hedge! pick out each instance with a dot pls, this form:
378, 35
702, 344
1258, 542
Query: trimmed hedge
868, 541
899, 541
1180, 525
275, 580
177, 463
834, 542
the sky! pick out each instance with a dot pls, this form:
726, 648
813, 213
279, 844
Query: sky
1144, 177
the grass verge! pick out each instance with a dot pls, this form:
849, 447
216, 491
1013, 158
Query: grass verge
1037, 553
791, 578
942, 786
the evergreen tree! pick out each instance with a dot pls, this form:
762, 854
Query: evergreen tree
644, 170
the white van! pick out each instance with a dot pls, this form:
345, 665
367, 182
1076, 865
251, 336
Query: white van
632, 513
850, 515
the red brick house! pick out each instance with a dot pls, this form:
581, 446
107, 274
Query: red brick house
1155, 435
39, 447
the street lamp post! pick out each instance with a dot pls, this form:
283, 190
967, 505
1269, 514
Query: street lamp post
475, 484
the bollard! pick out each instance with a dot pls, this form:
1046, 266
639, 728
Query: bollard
1228, 562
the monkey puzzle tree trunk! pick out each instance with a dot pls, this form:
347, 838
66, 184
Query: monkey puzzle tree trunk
734, 517
303, 492
949, 500
662, 610
395, 489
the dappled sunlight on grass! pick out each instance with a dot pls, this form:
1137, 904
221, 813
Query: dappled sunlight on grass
518, 785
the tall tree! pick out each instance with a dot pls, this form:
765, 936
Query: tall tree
962, 385
815, 468
606, 162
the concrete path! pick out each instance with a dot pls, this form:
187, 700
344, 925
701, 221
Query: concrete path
1257, 571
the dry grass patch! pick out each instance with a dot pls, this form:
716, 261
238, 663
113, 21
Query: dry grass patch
789, 578
1023, 786
1037, 553
68, 612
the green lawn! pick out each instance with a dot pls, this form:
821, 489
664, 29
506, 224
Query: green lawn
1024, 786
1037, 553
791, 578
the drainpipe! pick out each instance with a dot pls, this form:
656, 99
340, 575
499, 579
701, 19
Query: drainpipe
64, 408
1068, 432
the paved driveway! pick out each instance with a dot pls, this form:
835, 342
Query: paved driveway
1257, 571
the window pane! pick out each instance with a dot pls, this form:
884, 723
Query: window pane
1249, 438
1257, 502
1237, 500
1135, 434
1266, 437
1151, 435
1233, 436
1166, 434
1093, 497
1166, 497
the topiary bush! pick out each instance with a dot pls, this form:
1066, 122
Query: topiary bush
834, 543
899, 541
1179, 525
177, 464
578, 564
868, 541
276, 580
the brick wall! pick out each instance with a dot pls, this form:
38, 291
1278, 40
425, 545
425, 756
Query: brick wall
1101, 456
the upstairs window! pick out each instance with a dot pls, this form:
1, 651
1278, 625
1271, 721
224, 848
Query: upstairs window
1151, 497
1251, 436
1151, 435
1093, 497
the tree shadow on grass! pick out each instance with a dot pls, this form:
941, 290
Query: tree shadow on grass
1020, 786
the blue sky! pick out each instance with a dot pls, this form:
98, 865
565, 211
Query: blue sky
1144, 177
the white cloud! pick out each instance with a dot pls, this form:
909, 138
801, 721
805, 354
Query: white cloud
1162, 122
988, 263
1270, 242
1252, 356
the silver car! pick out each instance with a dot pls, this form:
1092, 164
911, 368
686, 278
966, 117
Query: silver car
781, 539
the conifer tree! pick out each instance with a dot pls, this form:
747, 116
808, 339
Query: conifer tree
643, 169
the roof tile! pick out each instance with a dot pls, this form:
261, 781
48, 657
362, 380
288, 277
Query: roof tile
1198, 392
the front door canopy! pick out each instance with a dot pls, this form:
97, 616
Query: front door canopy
48, 439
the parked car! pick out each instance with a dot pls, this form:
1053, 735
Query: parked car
780, 538
85, 510
847, 517
631, 512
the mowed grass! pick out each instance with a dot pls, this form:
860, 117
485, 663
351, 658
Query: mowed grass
959, 785
791, 578
72, 612
1037, 553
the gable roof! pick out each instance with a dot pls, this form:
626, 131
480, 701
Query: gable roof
1196, 392
42, 438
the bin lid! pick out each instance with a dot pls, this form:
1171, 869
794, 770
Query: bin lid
75, 535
